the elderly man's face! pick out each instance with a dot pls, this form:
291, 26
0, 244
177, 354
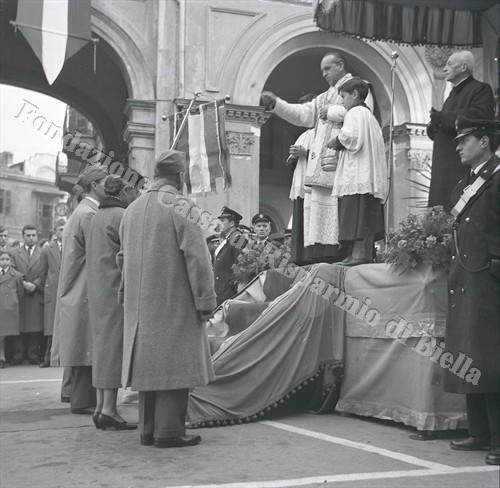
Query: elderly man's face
454, 69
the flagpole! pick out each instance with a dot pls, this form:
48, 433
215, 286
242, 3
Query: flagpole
184, 120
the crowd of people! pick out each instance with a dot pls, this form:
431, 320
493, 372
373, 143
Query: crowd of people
119, 295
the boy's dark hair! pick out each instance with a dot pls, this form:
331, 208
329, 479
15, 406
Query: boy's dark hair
6, 252
29, 227
358, 84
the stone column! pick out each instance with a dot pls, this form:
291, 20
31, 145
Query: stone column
139, 134
410, 173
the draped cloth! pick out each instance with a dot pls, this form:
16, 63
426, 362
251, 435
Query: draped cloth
296, 343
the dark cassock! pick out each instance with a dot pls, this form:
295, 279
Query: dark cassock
473, 99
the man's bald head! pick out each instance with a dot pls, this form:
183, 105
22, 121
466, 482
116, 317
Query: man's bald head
460, 65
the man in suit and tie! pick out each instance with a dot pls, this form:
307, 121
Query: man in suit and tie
48, 281
26, 260
473, 322
231, 244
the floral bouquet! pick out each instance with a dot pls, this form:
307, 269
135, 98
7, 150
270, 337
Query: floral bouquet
421, 239
256, 258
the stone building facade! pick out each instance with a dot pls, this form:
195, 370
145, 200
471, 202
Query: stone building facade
153, 55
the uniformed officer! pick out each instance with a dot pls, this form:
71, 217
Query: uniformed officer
473, 323
262, 227
231, 245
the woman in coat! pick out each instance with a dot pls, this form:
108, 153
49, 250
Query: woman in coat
106, 314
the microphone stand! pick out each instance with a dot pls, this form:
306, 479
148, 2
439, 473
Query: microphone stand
394, 56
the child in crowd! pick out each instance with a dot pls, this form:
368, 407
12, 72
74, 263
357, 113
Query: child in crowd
361, 180
11, 293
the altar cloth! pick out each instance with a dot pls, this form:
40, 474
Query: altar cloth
306, 337
384, 378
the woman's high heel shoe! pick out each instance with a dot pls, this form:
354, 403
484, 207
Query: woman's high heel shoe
95, 419
105, 422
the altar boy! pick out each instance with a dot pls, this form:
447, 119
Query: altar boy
361, 180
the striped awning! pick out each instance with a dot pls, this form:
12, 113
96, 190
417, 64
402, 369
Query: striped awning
438, 22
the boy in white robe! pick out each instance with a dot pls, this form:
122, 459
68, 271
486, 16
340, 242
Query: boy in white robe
361, 180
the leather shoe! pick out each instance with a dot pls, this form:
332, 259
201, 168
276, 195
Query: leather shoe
471, 444
493, 456
355, 262
83, 411
65, 398
180, 441
147, 440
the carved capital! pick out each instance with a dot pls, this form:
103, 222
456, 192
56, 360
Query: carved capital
240, 143
436, 58
234, 113
420, 160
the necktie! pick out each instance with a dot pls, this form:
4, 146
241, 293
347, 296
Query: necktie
3, 271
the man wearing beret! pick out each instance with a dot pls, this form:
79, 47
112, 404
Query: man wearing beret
469, 97
262, 227
72, 335
167, 291
473, 322
230, 247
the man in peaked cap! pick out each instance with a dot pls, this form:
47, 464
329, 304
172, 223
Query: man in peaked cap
167, 292
472, 329
230, 247
262, 227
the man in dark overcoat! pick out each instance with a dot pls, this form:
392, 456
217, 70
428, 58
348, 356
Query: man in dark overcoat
167, 291
473, 323
26, 260
231, 245
48, 281
468, 97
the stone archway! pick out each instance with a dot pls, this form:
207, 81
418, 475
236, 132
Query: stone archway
370, 60
140, 106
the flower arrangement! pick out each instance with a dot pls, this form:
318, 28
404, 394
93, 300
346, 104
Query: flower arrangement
256, 258
420, 240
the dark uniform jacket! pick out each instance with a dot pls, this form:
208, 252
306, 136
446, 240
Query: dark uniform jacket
225, 284
31, 317
473, 325
473, 99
